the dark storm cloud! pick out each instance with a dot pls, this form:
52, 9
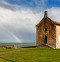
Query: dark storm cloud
6, 5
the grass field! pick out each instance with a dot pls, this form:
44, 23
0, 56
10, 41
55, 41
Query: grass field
32, 55
6, 49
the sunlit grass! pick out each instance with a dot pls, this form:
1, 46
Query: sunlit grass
33, 55
7, 49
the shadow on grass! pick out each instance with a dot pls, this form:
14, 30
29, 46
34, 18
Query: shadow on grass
6, 59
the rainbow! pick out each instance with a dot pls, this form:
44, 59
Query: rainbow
12, 34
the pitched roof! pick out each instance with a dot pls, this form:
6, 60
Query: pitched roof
57, 23
46, 16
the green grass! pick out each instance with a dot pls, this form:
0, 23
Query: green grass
32, 55
6, 49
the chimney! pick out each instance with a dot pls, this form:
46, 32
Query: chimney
45, 14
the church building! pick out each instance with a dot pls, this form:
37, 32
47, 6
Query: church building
48, 32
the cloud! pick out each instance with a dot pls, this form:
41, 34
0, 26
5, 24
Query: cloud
6, 5
54, 13
39, 2
31, 4
21, 21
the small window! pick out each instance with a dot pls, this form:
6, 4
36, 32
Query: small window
45, 29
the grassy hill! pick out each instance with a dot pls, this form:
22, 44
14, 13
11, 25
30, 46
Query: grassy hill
32, 55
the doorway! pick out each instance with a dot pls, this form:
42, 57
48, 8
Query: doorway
45, 39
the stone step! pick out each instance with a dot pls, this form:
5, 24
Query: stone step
50, 46
46, 46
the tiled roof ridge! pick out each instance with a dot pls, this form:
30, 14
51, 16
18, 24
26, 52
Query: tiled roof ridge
55, 22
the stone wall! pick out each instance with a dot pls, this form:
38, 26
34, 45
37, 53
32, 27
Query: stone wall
50, 33
57, 36
7, 46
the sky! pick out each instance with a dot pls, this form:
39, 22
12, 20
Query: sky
18, 18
